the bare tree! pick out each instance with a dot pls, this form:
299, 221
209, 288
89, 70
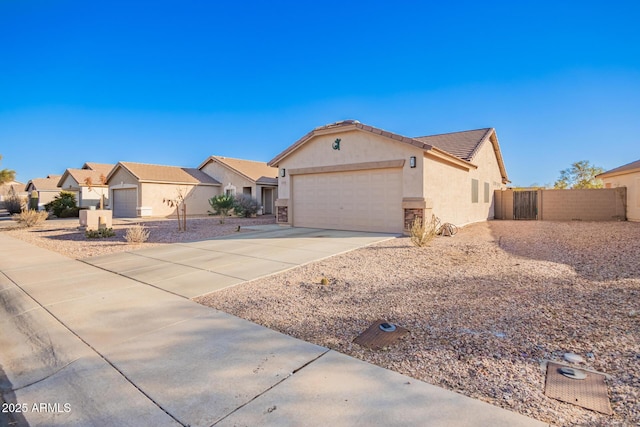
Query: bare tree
179, 204
103, 181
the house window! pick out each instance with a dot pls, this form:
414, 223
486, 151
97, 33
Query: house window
486, 192
474, 191
246, 191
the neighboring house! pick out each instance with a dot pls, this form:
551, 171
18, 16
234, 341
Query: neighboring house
351, 176
43, 189
139, 190
626, 176
12, 187
249, 177
86, 184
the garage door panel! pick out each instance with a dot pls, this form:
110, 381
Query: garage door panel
125, 203
368, 200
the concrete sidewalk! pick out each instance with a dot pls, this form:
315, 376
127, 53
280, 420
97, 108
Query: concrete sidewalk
84, 346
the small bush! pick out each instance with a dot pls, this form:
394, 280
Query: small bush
13, 204
221, 205
69, 213
100, 233
30, 218
61, 202
422, 233
136, 234
245, 206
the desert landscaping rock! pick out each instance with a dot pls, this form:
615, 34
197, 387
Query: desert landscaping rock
485, 308
65, 236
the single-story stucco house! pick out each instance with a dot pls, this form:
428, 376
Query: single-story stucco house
248, 177
626, 176
352, 176
88, 184
140, 190
10, 188
43, 189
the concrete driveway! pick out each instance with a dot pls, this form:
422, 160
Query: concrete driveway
83, 346
193, 269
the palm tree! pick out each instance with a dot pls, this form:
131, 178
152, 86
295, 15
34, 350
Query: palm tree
6, 175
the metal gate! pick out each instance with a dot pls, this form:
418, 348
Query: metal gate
525, 205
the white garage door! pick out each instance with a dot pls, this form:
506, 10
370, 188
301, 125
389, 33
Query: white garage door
369, 200
125, 202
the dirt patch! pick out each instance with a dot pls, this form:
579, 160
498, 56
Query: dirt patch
485, 309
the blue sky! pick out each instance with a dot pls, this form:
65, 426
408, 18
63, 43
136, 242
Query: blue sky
172, 82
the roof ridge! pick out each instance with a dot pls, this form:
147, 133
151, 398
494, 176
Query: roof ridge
451, 133
237, 158
155, 164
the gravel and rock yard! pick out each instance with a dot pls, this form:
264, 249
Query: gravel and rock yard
65, 236
485, 310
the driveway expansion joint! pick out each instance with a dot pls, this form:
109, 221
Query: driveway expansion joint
295, 371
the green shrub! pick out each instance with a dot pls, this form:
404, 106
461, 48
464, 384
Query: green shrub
100, 233
69, 213
13, 204
221, 205
245, 206
33, 201
30, 218
62, 201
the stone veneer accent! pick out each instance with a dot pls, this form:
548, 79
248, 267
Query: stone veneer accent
410, 215
283, 214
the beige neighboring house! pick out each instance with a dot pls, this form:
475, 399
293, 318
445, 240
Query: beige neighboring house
138, 189
44, 189
351, 176
75, 181
12, 187
249, 177
626, 176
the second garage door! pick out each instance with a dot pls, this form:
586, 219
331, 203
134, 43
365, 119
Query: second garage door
125, 202
369, 200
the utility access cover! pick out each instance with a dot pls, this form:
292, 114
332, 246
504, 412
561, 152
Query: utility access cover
590, 392
376, 337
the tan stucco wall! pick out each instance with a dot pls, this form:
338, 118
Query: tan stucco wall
196, 198
227, 177
45, 197
356, 146
92, 197
632, 182
449, 187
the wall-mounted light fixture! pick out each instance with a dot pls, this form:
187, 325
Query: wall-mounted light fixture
412, 161
283, 172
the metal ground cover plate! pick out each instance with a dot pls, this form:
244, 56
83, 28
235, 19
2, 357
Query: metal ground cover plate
590, 393
375, 338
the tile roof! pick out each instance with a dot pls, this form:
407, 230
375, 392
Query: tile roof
166, 174
50, 183
628, 168
81, 175
103, 168
461, 144
256, 171
457, 146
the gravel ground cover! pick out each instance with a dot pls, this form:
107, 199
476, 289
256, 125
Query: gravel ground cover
485, 309
65, 236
